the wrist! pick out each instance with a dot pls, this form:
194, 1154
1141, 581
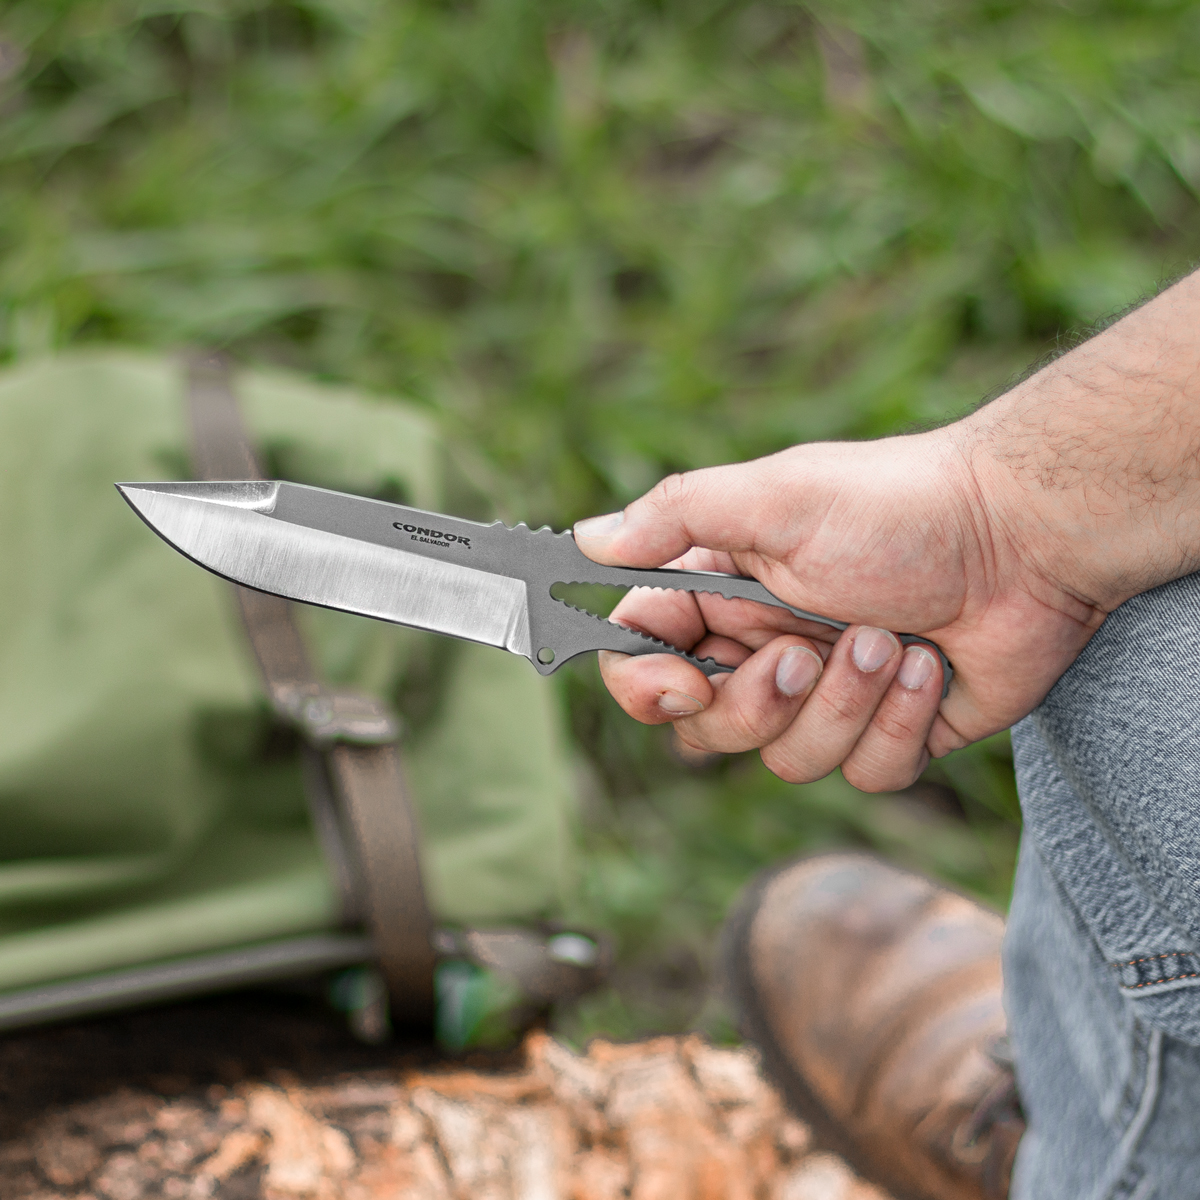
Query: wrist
1088, 469
1030, 531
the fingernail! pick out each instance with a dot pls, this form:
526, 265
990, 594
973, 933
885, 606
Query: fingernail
610, 658
797, 670
599, 527
915, 668
872, 648
678, 703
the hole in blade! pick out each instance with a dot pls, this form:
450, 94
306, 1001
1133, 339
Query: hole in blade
597, 598
545, 656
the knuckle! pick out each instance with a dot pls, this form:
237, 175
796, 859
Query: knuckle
751, 725
857, 777
839, 706
670, 492
873, 767
944, 739
699, 734
898, 726
717, 734
870, 778
694, 741
784, 764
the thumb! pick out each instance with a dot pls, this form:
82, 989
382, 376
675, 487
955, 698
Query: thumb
718, 508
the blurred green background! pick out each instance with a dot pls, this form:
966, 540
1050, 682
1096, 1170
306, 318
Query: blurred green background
603, 240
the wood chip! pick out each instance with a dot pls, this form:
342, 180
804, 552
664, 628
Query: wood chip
304, 1157
665, 1119
239, 1148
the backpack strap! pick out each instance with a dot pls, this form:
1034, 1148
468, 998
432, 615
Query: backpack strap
353, 772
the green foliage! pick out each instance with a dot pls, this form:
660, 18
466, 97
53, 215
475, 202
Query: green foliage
604, 241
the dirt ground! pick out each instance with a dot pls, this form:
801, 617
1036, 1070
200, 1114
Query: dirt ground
266, 1097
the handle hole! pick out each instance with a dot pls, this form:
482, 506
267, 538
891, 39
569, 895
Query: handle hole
545, 656
597, 598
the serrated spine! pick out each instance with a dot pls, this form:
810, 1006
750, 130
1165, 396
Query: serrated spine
523, 528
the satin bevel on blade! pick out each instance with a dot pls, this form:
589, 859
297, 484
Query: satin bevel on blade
234, 535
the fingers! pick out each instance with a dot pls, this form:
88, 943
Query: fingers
758, 702
671, 616
893, 749
870, 714
859, 673
869, 708
718, 508
725, 713
944, 738
655, 688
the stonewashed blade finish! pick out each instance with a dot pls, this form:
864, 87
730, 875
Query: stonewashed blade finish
485, 583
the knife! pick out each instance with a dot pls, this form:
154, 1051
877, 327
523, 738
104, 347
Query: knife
485, 583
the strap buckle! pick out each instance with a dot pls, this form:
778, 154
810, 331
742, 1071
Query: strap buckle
548, 964
328, 716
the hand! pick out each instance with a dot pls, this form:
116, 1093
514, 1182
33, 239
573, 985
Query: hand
891, 535
1005, 538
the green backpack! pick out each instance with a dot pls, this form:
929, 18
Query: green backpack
155, 836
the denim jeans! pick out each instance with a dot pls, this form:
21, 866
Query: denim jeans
1102, 953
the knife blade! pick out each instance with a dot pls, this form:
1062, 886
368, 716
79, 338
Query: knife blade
485, 583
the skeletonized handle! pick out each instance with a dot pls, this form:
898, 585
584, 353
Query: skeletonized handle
606, 635
731, 587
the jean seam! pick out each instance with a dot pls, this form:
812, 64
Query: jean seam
1133, 987
1133, 968
1130, 1097
1131, 1182
1133, 962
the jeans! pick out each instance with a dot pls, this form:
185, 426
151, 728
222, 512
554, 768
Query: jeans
1102, 952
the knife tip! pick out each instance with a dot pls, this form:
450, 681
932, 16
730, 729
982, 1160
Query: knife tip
258, 494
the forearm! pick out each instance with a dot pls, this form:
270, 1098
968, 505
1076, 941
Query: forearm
1090, 469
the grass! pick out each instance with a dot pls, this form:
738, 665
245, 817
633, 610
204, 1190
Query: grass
607, 240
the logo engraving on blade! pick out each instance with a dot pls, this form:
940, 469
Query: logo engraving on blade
434, 537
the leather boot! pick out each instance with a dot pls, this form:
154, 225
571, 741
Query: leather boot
874, 998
